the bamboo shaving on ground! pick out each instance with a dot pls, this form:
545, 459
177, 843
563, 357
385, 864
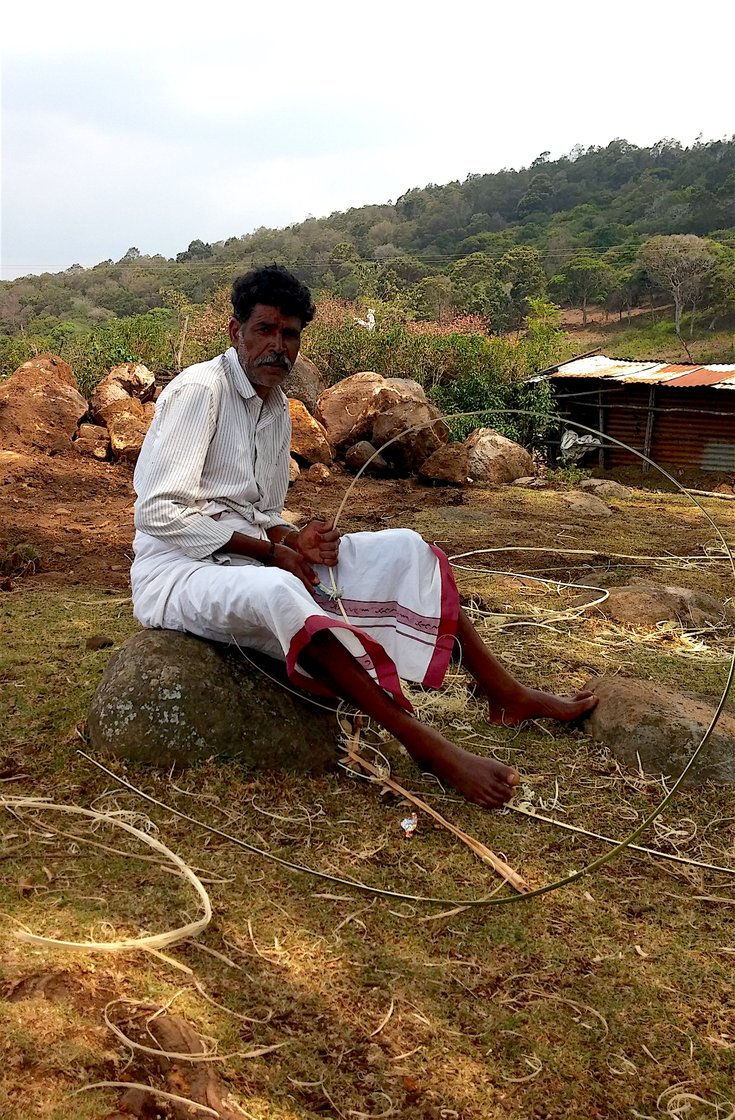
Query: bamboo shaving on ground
178, 1056
151, 942
484, 853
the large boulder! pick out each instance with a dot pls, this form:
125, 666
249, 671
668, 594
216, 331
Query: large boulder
40, 405
343, 409
168, 697
413, 432
647, 724
129, 380
304, 383
127, 424
493, 458
448, 466
393, 391
308, 437
364, 454
645, 604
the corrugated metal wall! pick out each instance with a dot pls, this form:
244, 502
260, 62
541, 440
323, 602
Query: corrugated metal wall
692, 428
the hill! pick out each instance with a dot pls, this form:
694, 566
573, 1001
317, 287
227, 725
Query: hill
460, 247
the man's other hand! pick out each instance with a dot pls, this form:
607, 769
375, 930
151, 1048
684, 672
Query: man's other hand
318, 543
289, 560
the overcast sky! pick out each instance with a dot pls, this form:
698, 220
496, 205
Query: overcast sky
151, 124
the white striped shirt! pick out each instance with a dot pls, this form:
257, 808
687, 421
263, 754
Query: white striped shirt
214, 445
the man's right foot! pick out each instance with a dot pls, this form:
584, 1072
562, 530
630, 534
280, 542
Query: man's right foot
483, 781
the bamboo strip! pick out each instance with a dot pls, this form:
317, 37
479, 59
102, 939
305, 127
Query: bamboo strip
484, 853
152, 942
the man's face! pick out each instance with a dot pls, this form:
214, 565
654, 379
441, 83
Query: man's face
267, 345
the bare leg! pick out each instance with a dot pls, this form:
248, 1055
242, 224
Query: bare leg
511, 702
485, 781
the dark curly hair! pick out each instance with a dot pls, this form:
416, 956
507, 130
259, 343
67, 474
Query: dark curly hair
274, 286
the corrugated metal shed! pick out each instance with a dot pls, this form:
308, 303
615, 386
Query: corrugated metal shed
654, 373
675, 413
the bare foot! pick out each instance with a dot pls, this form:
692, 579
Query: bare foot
531, 703
484, 781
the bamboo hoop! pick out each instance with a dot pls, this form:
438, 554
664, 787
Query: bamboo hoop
151, 942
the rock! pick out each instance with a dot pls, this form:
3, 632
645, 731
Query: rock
130, 380
93, 440
304, 383
585, 504
605, 488
318, 473
99, 641
93, 448
409, 425
308, 437
294, 470
92, 431
168, 697
127, 425
448, 465
393, 391
532, 482
493, 458
360, 454
369, 405
647, 604
40, 405
661, 727
596, 575
343, 408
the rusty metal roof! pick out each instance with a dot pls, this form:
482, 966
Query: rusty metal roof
674, 376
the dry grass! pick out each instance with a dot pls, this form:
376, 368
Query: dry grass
610, 999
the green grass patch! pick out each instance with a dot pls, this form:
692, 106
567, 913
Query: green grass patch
589, 1002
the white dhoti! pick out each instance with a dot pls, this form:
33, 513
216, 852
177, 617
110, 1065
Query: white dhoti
398, 594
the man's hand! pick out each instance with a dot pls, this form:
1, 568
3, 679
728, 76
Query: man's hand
289, 560
318, 543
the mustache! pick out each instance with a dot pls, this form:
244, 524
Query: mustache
280, 361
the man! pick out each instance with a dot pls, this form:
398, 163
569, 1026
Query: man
214, 557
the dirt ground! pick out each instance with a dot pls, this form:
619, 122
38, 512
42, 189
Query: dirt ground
611, 998
78, 512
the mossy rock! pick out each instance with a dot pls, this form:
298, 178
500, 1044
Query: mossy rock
647, 725
168, 697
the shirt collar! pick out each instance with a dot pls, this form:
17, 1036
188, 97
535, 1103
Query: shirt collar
237, 374
276, 399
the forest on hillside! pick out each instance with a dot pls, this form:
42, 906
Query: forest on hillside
618, 226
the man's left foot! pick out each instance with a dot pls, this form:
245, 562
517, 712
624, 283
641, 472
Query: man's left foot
531, 703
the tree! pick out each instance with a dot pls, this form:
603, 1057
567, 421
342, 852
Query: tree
538, 197
198, 251
721, 286
626, 288
434, 298
477, 268
343, 260
520, 271
681, 264
544, 337
13, 315
584, 278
